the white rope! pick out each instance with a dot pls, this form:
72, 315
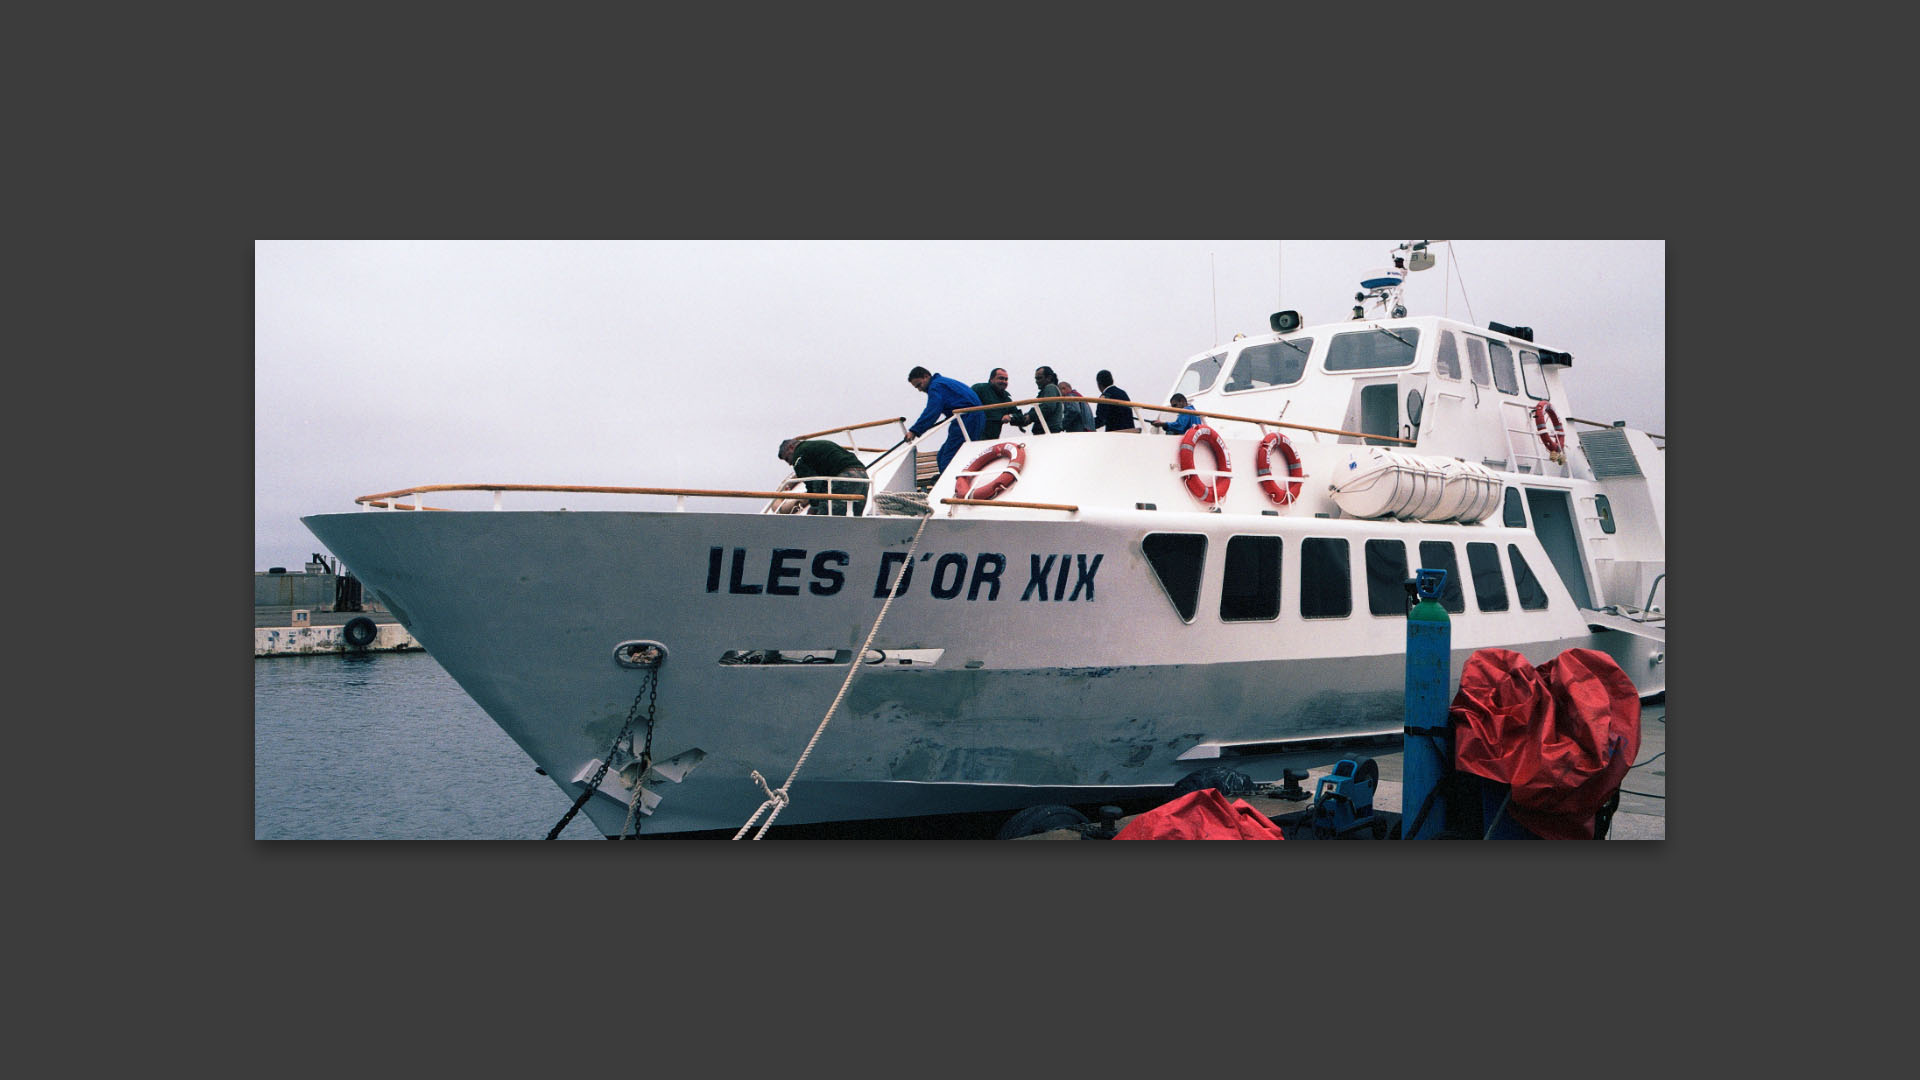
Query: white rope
777, 799
633, 804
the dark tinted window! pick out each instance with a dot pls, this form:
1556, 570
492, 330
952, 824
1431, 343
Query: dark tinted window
1503, 376
1387, 577
1276, 363
1532, 596
1176, 559
1200, 374
1447, 359
1511, 513
1250, 589
1489, 588
1372, 349
1326, 579
1438, 555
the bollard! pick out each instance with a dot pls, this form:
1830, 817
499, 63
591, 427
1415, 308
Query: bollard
1427, 748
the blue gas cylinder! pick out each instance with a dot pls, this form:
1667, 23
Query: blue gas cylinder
1427, 753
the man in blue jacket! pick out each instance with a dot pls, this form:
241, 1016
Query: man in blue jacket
944, 395
1179, 424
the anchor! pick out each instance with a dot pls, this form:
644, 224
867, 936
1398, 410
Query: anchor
621, 780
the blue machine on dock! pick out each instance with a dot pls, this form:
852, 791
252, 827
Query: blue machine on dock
1343, 800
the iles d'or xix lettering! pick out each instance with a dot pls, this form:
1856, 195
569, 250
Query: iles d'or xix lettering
951, 575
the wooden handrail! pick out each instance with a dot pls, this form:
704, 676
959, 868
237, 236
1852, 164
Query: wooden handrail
1196, 412
1006, 502
381, 498
855, 427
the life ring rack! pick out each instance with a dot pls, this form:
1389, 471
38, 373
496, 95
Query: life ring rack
1263, 468
1197, 436
1547, 425
1016, 455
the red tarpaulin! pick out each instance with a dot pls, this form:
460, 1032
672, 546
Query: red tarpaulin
1201, 815
1562, 734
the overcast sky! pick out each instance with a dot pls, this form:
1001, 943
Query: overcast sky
384, 364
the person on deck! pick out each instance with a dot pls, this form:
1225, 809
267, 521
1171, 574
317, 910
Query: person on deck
1078, 415
823, 457
1047, 385
1179, 424
1112, 417
994, 392
944, 395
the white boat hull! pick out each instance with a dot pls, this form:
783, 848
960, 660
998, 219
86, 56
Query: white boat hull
1046, 664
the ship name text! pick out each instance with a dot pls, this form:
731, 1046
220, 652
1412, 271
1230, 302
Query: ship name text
1062, 577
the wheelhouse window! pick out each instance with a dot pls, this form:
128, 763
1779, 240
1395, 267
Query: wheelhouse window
1375, 348
1326, 579
1489, 588
1525, 585
1200, 374
1438, 555
1503, 377
1177, 559
1511, 511
1446, 358
1250, 588
1387, 577
1531, 377
1477, 360
1276, 363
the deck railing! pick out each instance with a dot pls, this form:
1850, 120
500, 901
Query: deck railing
398, 499
1195, 412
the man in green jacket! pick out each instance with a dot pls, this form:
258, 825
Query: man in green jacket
994, 392
825, 458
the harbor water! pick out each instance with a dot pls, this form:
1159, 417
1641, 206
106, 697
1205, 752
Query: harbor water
386, 746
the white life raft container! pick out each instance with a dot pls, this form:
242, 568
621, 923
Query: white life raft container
1471, 492
1375, 483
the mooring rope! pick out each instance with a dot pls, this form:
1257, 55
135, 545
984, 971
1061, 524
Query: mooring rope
778, 798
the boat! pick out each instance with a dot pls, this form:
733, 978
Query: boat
1056, 618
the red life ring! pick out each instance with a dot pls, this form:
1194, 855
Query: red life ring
1196, 435
1546, 424
1262, 468
1017, 455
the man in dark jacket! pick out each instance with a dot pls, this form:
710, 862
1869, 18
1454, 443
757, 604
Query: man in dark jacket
994, 392
824, 458
1046, 385
944, 395
1112, 417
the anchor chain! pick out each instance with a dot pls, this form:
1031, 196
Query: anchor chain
650, 690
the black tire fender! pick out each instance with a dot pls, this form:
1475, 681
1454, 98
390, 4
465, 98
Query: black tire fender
1038, 819
359, 632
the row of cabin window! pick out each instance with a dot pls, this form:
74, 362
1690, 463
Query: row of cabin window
1491, 363
1250, 587
1283, 362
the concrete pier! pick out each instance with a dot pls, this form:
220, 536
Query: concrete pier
283, 630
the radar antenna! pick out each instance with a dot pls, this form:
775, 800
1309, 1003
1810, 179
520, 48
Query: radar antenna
1382, 286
